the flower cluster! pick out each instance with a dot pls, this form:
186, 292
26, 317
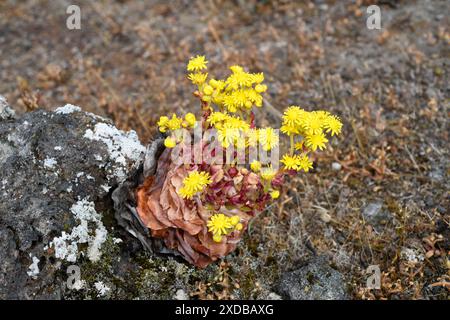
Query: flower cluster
220, 224
237, 93
202, 209
310, 129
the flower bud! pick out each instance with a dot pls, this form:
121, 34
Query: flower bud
170, 142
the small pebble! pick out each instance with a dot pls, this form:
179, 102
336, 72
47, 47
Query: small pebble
336, 166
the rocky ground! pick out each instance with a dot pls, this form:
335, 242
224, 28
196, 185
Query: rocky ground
379, 196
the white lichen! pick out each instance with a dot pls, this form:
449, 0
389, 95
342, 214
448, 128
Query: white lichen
66, 246
122, 146
50, 163
117, 240
105, 187
57, 148
101, 288
181, 295
78, 285
67, 109
412, 255
33, 269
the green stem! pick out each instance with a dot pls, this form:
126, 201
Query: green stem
292, 144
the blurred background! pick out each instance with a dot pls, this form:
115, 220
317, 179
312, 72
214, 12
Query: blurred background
378, 196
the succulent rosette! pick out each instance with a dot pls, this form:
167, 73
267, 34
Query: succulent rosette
201, 209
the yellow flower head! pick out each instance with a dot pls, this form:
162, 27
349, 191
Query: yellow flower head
314, 122
258, 78
255, 165
275, 194
268, 173
195, 182
229, 136
314, 141
162, 123
269, 138
190, 119
219, 224
236, 69
208, 90
239, 78
170, 142
196, 64
290, 162
260, 88
333, 124
304, 163
198, 78
252, 137
288, 130
217, 117
293, 116
235, 220
174, 123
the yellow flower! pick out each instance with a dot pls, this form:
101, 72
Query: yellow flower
236, 123
258, 77
299, 146
290, 162
214, 83
230, 103
255, 165
239, 227
304, 163
208, 90
252, 137
162, 123
239, 98
228, 136
293, 116
170, 142
268, 138
216, 117
217, 238
196, 64
235, 220
217, 84
236, 69
314, 141
333, 124
288, 130
239, 78
260, 88
219, 224
193, 183
314, 123
174, 123
190, 119
275, 194
198, 78
268, 173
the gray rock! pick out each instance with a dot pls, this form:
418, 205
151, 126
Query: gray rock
5, 110
375, 214
57, 169
314, 281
